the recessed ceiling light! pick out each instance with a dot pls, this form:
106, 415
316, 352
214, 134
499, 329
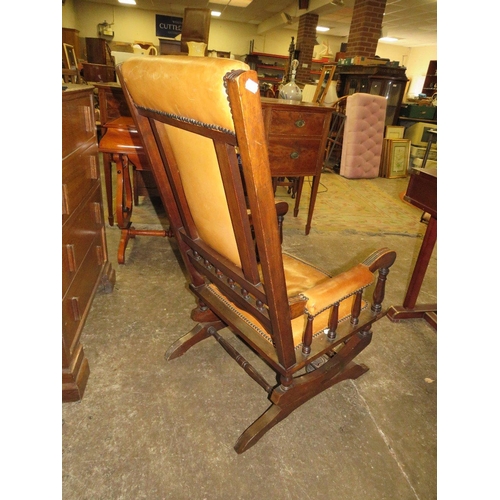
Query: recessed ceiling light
128, 2
388, 39
322, 28
215, 13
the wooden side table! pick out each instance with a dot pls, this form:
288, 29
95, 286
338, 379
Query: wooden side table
296, 139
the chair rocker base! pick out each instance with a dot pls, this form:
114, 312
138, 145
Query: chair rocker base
339, 368
319, 375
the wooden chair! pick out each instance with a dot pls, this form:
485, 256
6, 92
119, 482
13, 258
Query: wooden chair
307, 325
336, 134
120, 144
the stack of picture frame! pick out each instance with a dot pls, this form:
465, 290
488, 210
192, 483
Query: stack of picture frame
395, 157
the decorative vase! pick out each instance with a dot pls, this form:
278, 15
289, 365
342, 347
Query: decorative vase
291, 91
196, 48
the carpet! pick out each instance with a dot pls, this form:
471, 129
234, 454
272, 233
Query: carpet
369, 206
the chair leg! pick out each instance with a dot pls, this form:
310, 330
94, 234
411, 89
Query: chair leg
200, 332
339, 368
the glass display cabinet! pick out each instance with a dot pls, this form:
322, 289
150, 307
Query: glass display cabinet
387, 81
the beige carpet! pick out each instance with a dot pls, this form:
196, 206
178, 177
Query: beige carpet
356, 205
372, 206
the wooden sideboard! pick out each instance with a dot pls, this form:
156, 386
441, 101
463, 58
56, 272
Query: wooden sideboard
296, 139
85, 265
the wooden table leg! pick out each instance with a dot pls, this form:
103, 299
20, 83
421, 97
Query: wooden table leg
124, 207
312, 202
298, 194
409, 309
108, 181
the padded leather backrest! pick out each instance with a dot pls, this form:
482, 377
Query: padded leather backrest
195, 155
363, 136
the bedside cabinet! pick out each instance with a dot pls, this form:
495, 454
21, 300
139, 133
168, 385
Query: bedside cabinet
296, 138
85, 265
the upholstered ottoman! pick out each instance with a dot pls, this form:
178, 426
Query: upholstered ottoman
363, 136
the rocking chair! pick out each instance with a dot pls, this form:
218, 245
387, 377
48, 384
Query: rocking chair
196, 116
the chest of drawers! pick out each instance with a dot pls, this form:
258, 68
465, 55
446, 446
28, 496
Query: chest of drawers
296, 138
85, 265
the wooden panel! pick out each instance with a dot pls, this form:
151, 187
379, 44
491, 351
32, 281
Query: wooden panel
195, 27
422, 190
112, 102
169, 47
98, 73
97, 51
71, 37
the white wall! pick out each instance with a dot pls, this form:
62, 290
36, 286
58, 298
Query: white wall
132, 24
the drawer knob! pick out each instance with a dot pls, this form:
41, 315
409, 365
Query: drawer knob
294, 155
300, 123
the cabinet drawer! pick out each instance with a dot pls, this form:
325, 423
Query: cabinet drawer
80, 174
293, 157
77, 116
78, 299
79, 234
296, 123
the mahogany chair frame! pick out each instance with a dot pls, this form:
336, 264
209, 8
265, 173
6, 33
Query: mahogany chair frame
252, 294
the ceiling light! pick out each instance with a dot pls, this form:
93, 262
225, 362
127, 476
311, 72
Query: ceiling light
128, 2
215, 13
322, 28
388, 39
234, 3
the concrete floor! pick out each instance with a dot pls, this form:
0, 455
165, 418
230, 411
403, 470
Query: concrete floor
148, 429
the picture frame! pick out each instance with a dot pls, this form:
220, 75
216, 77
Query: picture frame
324, 83
394, 132
395, 158
70, 61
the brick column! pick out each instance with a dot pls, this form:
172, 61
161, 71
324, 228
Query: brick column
306, 40
366, 26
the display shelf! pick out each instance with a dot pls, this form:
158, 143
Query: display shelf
430, 82
270, 68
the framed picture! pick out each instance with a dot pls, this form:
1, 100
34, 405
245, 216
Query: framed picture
70, 61
394, 132
324, 83
395, 158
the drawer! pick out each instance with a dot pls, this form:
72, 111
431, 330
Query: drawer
78, 299
78, 235
293, 157
80, 174
77, 116
296, 123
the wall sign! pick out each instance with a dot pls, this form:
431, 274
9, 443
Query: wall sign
168, 26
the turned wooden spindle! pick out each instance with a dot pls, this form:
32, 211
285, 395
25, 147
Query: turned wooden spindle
379, 292
333, 321
356, 308
308, 334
